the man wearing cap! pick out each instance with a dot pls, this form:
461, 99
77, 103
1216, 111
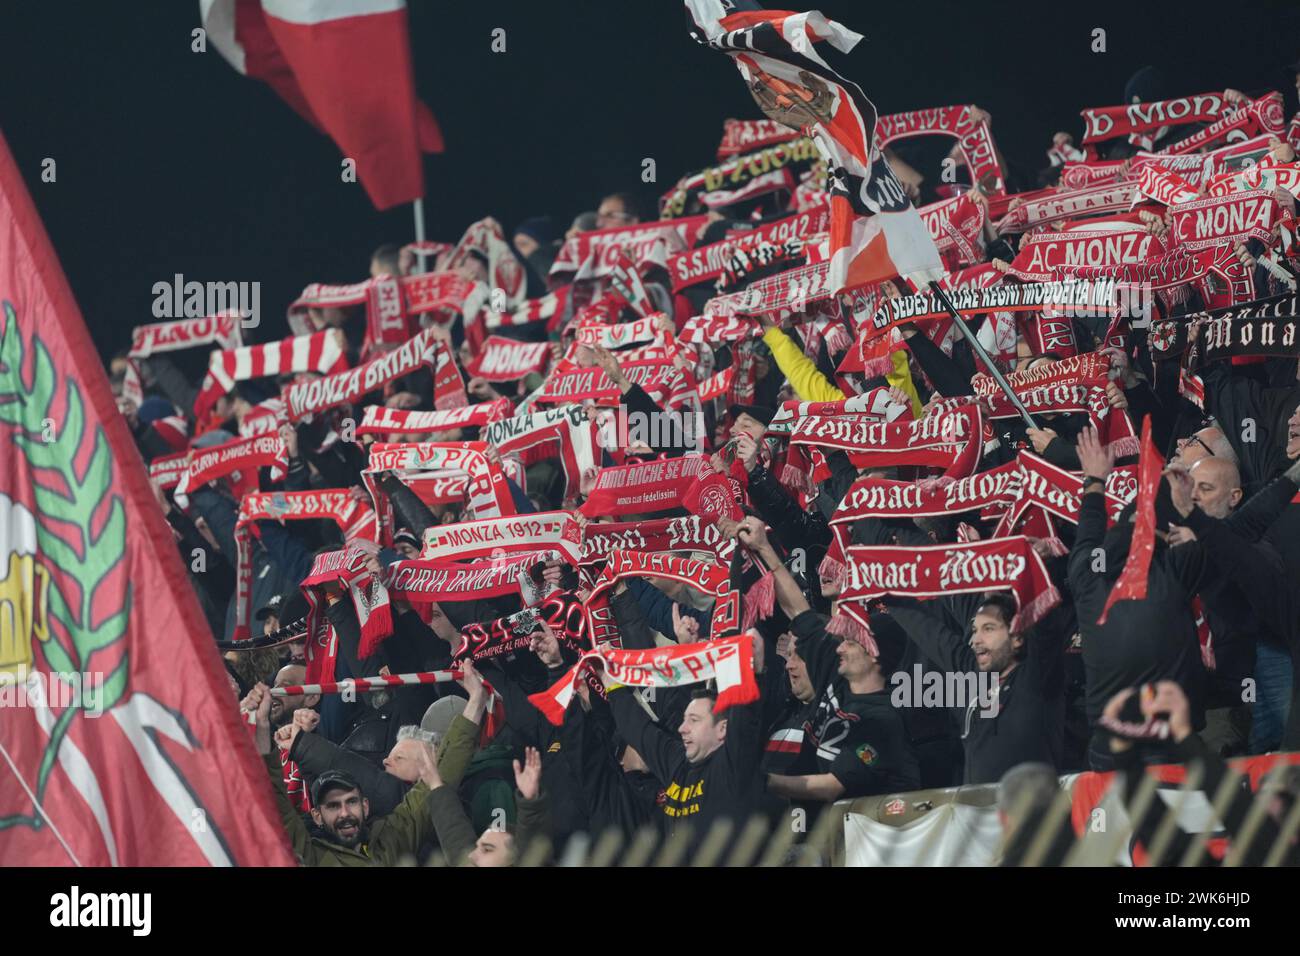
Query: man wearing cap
858, 739
349, 835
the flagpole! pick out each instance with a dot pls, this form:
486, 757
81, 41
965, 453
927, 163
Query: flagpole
964, 329
417, 207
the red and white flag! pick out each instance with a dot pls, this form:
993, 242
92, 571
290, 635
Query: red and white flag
345, 67
120, 741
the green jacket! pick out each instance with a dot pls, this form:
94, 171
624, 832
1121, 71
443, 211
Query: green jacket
393, 837
457, 836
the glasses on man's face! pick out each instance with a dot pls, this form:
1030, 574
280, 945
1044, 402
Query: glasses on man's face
1200, 441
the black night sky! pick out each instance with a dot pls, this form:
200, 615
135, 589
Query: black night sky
169, 161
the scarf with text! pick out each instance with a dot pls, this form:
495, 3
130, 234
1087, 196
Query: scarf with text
564, 432
999, 564
1041, 256
736, 172
949, 439
643, 487
548, 530
706, 263
1267, 175
1262, 116
974, 139
1082, 297
488, 494
707, 576
431, 582
1109, 122
561, 611
655, 536
728, 661
1216, 221
354, 518
957, 227
741, 136
594, 255
659, 378
782, 294
506, 360
346, 568
239, 460
316, 395
1092, 201
381, 420
389, 301
166, 471
224, 330
596, 334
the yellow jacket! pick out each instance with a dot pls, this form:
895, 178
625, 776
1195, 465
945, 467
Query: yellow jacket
812, 386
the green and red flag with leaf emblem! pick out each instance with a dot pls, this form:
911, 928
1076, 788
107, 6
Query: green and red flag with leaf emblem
120, 741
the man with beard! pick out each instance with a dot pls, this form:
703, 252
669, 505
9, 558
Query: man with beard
348, 835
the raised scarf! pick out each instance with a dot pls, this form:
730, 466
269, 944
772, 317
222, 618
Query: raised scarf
1109, 122
1092, 201
346, 567
1041, 256
975, 140
321, 353
735, 172
563, 431
643, 487
381, 420
593, 255
705, 263
741, 136
562, 611
488, 494
224, 330
1217, 221
430, 582
243, 455
548, 530
657, 535
316, 395
728, 661
708, 576
506, 360
995, 565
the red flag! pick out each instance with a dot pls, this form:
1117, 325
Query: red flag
1132, 582
120, 741
345, 67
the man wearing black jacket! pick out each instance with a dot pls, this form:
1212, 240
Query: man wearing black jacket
1025, 721
1141, 641
859, 743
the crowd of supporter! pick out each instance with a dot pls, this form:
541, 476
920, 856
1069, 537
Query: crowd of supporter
705, 448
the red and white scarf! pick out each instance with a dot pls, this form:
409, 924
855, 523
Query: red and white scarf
1264, 115
782, 294
240, 459
564, 432
381, 420
593, 255
263, 418
619, 336
430, 582
716, 385
742, 136
321, 353
1109, 122
548, 530
710, 577
316, 395
975, 140
1093, 201
506, 360
706, 263
166, 471
488, 494
659, 378
950, 439
940, 570
660, 535
644, 487
1217, 221
729, 661
1040, 257
354, 518
223, 330
1090, 367
720, 329
386, 312
347, 568
957, 227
